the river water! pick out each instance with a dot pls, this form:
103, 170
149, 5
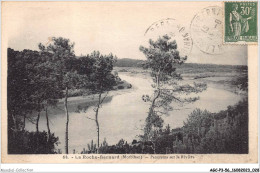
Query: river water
124, 116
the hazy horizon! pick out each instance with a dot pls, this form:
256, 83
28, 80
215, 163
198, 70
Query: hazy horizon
193, 62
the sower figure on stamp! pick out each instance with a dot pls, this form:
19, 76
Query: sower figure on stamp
238, 24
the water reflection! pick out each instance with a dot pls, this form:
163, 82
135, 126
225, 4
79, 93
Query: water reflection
123, 114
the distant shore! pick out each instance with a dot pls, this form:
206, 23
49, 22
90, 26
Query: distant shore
87, 100
220, 80
216, 78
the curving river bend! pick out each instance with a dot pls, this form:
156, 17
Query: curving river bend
123, 116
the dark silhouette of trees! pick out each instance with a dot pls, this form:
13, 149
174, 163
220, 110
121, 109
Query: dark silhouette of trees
18, 83
30, 90
36, 80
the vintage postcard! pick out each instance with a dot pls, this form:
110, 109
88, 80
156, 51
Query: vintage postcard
129, 82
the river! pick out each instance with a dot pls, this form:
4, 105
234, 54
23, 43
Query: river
124, 115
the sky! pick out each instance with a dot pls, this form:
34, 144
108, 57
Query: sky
110, 27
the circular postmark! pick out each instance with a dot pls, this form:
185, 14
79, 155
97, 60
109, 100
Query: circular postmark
206, 30
173, 29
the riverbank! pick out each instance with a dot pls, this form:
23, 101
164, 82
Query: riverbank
120, 84
84, 101
227, 80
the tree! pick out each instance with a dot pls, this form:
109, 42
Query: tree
30, 90
198, 123
61, 53
163, 58
29, 83
102, 80
97, 71
44, 90
18, 92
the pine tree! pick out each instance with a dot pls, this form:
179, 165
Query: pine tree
163, 58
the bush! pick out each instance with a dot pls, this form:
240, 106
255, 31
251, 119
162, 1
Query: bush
24, 142
224, 132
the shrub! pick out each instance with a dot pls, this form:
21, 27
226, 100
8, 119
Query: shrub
24, 142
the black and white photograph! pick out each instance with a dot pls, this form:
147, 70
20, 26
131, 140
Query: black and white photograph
125, 80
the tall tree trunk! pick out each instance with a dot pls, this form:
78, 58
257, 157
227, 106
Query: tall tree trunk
67, 122
97, 123
24, 117
15, 126
148, 126
37, 129
48, 126
37, 122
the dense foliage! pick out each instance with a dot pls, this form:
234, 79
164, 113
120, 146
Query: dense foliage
32, 143
40, 79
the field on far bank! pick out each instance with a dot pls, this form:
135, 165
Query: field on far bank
226, 77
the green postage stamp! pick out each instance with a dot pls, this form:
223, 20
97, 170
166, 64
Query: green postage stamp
240, 22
